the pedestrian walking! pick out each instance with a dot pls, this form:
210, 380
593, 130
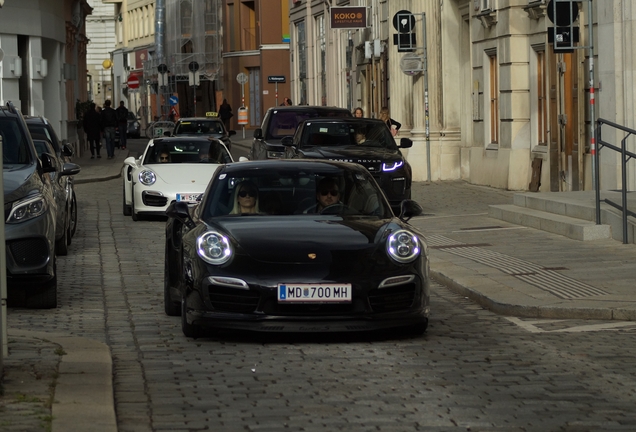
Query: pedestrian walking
286, 102
109, 123
93, 129
122, 124
225, 112
393, 125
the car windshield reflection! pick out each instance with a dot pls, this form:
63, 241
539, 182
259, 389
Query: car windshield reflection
196, 151
333, 191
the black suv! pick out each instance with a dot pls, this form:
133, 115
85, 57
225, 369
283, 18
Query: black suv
280, 122
30, 214
367, 142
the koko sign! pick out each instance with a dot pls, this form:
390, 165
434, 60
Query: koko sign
348, 17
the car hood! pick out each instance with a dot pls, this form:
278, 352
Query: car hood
19, 182
304, 239
184, 173
351, 153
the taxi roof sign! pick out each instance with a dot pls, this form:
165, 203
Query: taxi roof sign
211, 114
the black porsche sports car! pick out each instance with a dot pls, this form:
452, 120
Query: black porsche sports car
295, 246
367, 142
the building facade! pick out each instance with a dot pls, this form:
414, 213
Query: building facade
100, 30
43, 69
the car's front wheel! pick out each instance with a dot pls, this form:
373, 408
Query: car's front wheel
171, 307
189, 330
72, 226
127, 209
61, 245
133, 213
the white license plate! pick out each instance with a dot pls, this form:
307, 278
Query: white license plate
190, 198
314, 293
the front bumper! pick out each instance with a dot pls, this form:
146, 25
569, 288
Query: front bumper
257, 309
30, 250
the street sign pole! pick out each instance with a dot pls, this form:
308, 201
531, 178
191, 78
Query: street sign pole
242, 78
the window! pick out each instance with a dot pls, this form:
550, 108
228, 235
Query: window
301, 37
322, 59
493, 72
542, 100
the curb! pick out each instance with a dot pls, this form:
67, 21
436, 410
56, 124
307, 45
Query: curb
96, 179
83, 395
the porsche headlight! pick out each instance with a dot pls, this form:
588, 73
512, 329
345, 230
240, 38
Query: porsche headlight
214, 248
403, 246
392, 166
27, 209
147, 177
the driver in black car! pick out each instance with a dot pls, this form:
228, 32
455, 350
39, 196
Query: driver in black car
327, 194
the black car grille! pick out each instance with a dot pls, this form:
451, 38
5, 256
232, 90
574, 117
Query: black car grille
392, 298
233, 300
372, 167
29, 252
272, 307
152, 200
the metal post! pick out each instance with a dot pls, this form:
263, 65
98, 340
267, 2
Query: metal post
243, 103
276, 94
592, 100
597, 181
624, 160
426, 117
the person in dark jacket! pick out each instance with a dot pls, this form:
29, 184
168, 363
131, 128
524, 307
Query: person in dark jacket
393, 125
122, 123
93, 129
109, 123
225, 112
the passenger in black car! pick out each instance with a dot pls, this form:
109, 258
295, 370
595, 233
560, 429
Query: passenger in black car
245, 198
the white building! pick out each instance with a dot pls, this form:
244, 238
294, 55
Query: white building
100, 30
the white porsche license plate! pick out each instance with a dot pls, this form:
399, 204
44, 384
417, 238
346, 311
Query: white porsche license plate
314, 293
189, 197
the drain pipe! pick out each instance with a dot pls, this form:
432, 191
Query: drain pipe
160, 29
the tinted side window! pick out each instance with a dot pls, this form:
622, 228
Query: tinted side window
14, 144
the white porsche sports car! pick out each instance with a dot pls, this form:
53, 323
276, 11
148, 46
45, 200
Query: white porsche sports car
170, 169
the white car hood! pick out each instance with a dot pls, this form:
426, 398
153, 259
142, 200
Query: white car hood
184, 173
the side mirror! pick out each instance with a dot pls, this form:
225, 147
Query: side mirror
167, 133
409, 208
181, 212
406, 143
243, 159
67, 150
48, 163
70, 169
287, 141
232, 132
258, 133
130, 160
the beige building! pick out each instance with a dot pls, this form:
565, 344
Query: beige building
501, 103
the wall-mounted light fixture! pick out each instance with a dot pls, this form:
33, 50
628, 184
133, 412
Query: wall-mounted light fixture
16, 67
42, 67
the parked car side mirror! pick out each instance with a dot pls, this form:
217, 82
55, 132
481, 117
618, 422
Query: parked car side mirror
409, 208
258, 133
70, 169
48, 163
287, 141
406, 143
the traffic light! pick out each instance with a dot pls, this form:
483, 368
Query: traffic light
563, 13
99, 88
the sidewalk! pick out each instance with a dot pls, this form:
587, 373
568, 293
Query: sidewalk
506, 268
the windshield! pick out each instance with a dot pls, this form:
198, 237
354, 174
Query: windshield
43, 130
15, 149
284, 123
361, 134
186, 151
199, 127
295, 191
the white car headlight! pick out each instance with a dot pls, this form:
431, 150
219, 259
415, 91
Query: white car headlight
147, 177
392, 166
27, 209
214, 248
403, 246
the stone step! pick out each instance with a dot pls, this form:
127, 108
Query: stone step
567, 226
